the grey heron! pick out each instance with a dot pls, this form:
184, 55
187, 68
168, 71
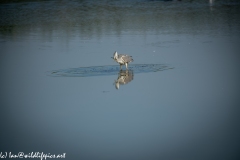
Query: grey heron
122, 59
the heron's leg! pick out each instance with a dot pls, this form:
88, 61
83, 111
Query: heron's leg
126, 65
120, 66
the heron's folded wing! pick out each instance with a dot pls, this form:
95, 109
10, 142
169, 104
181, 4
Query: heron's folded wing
127, 58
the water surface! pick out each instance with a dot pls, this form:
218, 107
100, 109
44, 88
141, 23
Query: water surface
62, 93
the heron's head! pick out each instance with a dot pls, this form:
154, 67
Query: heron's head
115, 55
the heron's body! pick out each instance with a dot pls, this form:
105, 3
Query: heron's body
122, 59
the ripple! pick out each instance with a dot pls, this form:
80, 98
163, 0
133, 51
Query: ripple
107, 70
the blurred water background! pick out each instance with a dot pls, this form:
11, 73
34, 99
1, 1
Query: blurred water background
188, 111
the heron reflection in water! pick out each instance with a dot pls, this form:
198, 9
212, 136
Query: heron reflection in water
124, 77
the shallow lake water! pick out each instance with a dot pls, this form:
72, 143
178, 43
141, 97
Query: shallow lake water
62, 93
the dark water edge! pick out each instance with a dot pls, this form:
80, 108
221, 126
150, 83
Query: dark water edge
98, 18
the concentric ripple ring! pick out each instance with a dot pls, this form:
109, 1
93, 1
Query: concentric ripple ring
107, 70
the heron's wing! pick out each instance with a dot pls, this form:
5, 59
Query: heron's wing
126, 58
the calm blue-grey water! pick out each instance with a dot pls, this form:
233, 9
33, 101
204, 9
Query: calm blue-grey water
60, 91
